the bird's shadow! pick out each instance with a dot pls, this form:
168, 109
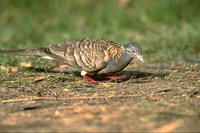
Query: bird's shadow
137, 76
143, 76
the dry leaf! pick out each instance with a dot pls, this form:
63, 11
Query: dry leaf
170, 127
8, 69
61, 68
13, 69
36, 79
26, 64
123, 3
3, 68
39, 78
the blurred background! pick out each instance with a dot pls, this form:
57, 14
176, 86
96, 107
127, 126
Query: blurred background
167, 30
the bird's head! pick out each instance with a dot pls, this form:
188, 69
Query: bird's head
134, 50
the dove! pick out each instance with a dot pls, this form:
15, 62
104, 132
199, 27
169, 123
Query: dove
88, 56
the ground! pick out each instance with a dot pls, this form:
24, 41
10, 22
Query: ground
161, 95
157, 97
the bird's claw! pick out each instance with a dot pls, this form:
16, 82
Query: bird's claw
116, 77
89, 79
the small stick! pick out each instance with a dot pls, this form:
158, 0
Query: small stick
62, 99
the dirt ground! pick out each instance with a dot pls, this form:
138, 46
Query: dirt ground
156, 97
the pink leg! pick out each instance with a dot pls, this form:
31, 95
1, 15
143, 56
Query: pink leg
116, 77
89, 79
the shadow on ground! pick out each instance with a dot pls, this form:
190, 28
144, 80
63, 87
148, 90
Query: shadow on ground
155, 97
102, 77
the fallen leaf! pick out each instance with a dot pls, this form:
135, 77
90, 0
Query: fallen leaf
61, 68
8, 69
39, 78
26, 64
123, 3
170, 127
36, 79
13, 69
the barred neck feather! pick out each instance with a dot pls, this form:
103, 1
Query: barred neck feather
115, 51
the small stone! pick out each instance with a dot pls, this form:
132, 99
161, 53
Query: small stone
56, 113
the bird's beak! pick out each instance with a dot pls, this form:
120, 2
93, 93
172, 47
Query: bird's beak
140, 58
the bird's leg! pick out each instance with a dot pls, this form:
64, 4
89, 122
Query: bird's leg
89, 79
112, 77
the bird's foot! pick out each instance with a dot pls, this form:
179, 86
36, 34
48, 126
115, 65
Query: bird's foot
108, 77
89, 79
116, 77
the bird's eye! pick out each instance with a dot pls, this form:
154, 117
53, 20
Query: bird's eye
133, 51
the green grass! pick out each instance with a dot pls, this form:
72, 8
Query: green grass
168, 30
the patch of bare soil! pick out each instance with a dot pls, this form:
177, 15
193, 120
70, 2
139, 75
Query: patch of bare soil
156, 97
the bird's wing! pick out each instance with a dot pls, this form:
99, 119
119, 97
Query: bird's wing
85, 54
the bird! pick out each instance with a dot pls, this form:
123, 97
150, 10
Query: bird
89, 56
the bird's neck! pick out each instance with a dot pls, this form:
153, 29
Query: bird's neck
125, 58
117, 65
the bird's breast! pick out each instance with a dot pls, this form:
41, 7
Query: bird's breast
116, 66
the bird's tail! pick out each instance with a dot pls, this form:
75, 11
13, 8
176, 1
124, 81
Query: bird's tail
25, 52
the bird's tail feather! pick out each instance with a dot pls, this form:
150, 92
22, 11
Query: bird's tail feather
25, 52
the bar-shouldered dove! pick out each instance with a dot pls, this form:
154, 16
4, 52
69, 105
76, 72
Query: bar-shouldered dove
93, 56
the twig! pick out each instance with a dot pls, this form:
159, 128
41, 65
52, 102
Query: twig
63, 99
161, 91
169, 127
196, 60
